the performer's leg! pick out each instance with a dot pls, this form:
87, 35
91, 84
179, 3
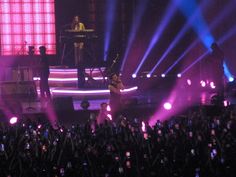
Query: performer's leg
41, 88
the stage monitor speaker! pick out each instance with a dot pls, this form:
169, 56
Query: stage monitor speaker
63, 104
18, 90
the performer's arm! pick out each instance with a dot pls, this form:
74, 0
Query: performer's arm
114, 89
120, 84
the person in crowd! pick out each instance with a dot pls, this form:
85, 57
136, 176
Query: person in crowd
194, 144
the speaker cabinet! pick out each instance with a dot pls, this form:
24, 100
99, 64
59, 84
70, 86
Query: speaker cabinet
63, 104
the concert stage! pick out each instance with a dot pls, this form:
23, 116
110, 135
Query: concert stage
139, 101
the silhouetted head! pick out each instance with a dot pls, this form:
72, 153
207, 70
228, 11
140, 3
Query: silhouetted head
42, 50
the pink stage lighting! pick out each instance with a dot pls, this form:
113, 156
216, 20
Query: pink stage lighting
179, 75
108, 108
212, 85
109, 116
189, 82
203, 83
13, 120
167, 106
134, 75
27, 23
143, 127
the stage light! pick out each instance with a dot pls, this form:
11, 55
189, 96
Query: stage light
163, 75
109, 116
148, 75
223, 14
212, 85
109, 25
108, 108
167, 106
143, 126
179, 75
199, 24
227, 72
189, 82
27, 23
13, 120
203, 83
170, 11
134, 75
231, 79
196, 61
134, 27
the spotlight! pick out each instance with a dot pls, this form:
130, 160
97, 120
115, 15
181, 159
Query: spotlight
231, 79
189, 82
212, 85
148, 75
109, 116
167, 106
179, 75
143, 126
203, 83
134, 75
86, 78
13, 120
108, 108
163, 75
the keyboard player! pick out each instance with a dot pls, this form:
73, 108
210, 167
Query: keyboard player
78, 46
78, 51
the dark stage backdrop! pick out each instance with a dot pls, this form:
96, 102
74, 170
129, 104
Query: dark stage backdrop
93, 13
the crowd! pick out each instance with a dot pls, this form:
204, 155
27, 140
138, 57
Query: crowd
194, 144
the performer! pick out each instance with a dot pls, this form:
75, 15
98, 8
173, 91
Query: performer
78, 47
115, 88
44, 74
78, 52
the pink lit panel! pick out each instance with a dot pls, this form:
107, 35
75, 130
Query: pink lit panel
26, 23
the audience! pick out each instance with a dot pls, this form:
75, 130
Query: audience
189, 145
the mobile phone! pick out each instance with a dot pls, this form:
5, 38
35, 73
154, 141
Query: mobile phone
127, 154
128, 164
145, 135
192, 151
190, 134
2, 147
213, 132
27, 146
